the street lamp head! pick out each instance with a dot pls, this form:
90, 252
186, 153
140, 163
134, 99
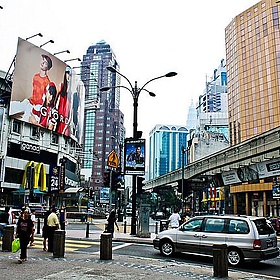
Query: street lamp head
50, 41
66, 51
111, 69
170, 74
152, 94
38, 34
105, 88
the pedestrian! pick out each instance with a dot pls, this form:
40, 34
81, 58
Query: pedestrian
33, 219
112, 222
174, 219
45, 231
23, 232
53, 224
26, 206
4, 219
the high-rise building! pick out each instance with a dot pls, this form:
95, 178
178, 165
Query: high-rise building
253, 63
104, 130
253, 70
165, 149
191, 117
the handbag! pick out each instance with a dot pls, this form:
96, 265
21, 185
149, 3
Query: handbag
15, 245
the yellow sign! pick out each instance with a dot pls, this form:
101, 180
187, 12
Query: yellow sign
113, 160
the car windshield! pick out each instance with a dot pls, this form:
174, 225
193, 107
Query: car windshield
192, 225
263, 227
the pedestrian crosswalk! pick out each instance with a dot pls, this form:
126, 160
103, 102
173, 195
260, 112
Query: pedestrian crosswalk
71, 245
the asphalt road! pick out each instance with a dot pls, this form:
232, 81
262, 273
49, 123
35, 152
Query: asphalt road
267, 268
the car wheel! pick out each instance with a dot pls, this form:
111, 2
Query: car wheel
166, 248
234, 256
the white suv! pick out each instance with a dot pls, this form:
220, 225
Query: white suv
248, 238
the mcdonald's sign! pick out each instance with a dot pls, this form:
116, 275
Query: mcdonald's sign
34, 174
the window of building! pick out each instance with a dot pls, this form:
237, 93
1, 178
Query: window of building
54, 139
17, 126
35, 132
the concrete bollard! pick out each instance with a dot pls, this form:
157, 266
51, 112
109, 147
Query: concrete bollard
59, 243
38, 226
220, 262
7, 239
106, 246
87, 230
124, 227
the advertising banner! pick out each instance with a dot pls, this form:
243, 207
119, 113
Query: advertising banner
134, 156
46, 92
105, 195
54, 178
252, 173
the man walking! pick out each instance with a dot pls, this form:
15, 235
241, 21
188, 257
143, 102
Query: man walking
53, 224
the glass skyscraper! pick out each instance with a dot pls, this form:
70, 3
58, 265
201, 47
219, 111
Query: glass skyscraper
165, 149
104, 130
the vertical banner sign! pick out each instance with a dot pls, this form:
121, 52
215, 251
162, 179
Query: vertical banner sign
134, 156
62, 178
54, 179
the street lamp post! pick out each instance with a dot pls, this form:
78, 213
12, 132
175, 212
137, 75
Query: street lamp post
183, 175
135, 92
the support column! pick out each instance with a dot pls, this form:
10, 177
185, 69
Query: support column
247, 204
234, 203
264, 204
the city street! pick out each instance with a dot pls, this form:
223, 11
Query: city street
132, 258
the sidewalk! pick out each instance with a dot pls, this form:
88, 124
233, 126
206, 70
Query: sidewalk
118, 235
85, 265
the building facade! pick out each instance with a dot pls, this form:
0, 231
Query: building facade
165, 149
253, 69
37, 165
103, 130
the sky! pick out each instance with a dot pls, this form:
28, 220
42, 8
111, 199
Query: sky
149, 38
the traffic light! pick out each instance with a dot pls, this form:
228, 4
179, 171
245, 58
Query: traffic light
106, 180
116, 180
140, 185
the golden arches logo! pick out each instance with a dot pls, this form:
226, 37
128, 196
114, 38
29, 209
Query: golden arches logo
39, 176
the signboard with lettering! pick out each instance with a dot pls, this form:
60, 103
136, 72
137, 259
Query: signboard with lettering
30, 147
252, 173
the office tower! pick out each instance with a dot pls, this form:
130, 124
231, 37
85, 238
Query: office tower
165, 149
212, 109
253, 63
253, 68
104, 130
191, 117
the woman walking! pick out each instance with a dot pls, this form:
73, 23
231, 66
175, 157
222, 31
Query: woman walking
23, 232
112, 221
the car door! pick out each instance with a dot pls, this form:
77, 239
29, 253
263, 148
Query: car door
189, 235
213, 232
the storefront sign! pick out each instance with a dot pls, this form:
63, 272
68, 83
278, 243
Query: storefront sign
30, 148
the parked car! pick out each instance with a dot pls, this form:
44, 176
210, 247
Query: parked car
247, 238
275, 222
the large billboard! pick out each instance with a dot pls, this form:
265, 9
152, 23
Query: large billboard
252, 173
46, 92
134, 156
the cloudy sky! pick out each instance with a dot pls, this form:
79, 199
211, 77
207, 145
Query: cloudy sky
149, 38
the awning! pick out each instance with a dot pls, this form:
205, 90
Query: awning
73, 190
22, 192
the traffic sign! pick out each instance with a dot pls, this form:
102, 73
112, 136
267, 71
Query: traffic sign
113, 160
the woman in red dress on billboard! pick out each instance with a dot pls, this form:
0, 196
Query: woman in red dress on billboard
63, 104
